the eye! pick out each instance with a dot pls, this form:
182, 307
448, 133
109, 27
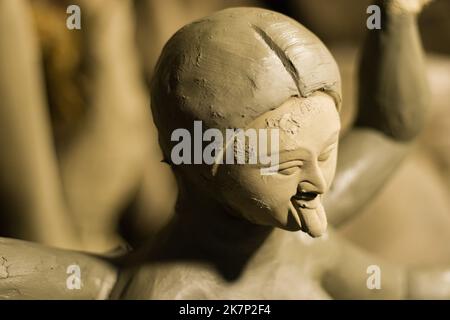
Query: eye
326, 154
290, 168
289, 171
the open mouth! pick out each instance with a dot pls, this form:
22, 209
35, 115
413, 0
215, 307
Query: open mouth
309, 213
305, 199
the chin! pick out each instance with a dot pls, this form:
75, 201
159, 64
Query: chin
292, 228
289, 223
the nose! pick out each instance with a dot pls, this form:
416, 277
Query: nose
313, 180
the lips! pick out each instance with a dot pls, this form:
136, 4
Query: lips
309, 213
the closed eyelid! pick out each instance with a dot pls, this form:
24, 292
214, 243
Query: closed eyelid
326, 154
290, 164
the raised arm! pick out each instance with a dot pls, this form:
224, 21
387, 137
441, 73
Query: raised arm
392, 103
359, 275
31, 194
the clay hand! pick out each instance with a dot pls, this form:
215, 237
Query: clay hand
406, 6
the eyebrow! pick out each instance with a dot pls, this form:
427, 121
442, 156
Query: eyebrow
334, 138
298, 150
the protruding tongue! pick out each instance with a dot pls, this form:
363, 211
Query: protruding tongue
313, 217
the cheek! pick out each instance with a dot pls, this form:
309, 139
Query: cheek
243, 187
260, 195
267, 189
275, 192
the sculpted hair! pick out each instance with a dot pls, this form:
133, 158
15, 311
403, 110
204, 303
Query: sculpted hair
233, 66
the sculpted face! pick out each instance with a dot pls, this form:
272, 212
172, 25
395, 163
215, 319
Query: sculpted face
206, 73
291, 198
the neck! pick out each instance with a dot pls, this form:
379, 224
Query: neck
207, 230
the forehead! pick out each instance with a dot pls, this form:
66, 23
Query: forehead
303, 118
306, 126
298, 113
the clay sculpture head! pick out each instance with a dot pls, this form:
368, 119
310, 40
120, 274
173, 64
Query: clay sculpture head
251, 68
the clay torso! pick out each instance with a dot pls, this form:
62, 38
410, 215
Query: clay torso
289, 276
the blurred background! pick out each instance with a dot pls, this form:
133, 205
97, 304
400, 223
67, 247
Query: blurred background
80, 165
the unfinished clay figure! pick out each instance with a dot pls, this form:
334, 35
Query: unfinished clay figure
238, 234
